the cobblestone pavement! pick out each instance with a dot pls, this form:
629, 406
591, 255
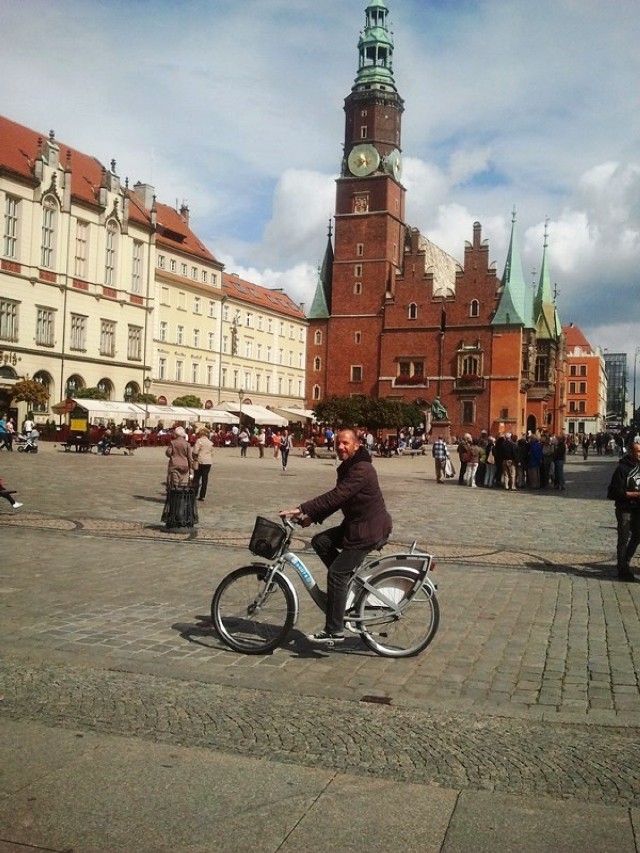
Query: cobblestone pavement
532, 683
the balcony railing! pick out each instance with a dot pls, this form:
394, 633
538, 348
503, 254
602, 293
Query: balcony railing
469, 382
408, 381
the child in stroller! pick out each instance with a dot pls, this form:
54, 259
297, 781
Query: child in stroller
28, 443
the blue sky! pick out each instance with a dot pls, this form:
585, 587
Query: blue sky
236, 108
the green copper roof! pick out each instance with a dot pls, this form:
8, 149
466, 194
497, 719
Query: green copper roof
320, 307
544, 309
513, 309
375, 48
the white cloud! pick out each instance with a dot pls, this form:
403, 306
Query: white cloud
236, 108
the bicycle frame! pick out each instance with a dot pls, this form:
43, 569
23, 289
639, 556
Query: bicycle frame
418, 562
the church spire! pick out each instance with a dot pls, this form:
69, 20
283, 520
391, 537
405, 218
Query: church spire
512, 308
375, 49
321, 305
544, 309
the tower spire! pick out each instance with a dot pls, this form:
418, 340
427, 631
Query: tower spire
545, 313
512, 308
375, 49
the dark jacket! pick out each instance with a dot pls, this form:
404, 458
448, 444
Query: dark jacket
626, 478
357, 493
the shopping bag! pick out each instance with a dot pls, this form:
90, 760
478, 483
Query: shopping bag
449, 470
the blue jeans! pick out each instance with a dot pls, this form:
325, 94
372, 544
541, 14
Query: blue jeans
340, 564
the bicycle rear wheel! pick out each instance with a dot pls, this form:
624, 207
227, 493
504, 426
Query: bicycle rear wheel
397, 635
249, 615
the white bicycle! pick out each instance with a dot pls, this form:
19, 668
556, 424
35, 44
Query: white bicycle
391, 604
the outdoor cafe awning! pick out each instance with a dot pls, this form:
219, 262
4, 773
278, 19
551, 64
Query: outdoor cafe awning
261, 416
214, 416
294, 415
103, 409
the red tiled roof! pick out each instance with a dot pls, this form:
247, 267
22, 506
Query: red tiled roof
574, 337
19, 149
256, 294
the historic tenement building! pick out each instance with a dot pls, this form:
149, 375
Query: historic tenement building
103, 286
586, 410
395, 316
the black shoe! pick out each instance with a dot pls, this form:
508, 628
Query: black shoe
200, 499
324, 638
627, 576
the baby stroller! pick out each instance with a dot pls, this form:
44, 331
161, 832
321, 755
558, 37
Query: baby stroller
28, 443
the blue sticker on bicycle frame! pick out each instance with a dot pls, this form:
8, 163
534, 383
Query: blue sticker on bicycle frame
302, 570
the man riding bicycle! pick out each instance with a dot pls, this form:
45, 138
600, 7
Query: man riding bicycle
366, 525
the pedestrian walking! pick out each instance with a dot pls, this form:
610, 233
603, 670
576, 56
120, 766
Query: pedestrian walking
202, 461
624, 489
244, 440
285, 447
440, 453
8, 496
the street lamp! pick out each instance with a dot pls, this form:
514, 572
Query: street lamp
147, 387
240, 396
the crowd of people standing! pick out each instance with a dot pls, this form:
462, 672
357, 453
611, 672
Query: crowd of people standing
532, 461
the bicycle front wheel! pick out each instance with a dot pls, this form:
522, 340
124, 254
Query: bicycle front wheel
392, 634
251, 615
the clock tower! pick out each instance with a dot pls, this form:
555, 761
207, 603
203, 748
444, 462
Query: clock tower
369, 226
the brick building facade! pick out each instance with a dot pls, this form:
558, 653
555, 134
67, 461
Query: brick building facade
395, 316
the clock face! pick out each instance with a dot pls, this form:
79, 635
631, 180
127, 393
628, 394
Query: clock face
393, 164
363, 160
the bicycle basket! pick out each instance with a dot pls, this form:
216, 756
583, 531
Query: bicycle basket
267, 538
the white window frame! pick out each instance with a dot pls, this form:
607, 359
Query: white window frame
11, 221
9, 316
49, 224
111, 253
136, 267
107, 338
78, 332
134, 343
45, 319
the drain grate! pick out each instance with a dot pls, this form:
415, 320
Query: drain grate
377, 700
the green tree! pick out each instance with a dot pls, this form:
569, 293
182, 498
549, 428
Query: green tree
338, 411
369, 412
90, 394
144, 399
188, 400
29, 391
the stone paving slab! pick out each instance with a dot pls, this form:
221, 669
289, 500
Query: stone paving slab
530, 689
527, 630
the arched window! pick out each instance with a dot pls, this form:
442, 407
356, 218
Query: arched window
317, 338
474, 308
44, 379
412, 312
316, 392
74, 383
132, 389
316, 363
106, 386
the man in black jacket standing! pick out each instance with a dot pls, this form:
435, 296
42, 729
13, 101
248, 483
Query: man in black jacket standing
366, 525
625, 490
